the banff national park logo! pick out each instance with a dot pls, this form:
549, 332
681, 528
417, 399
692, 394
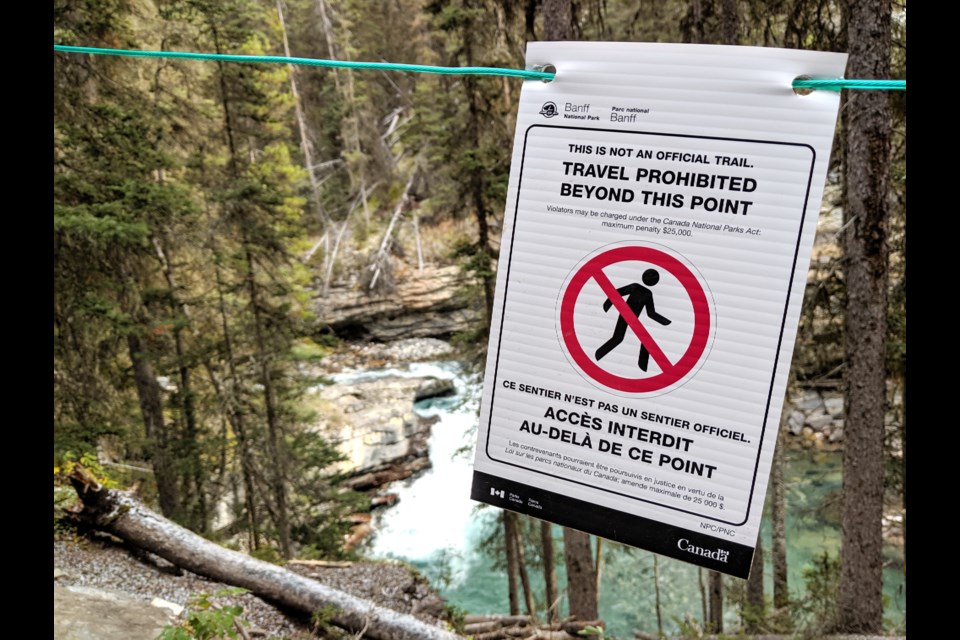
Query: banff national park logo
548, 110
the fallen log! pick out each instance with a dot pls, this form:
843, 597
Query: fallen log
325, 564
123, 516
503, 621
486, 626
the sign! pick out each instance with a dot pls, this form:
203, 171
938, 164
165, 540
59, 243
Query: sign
660, 216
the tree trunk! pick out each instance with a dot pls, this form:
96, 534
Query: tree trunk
195, 507
278, 461
151, 410
121, 515
557, 20
903, 459
598, 566
306, 147
694, 30
522, 568
238, 419
549, 570
715, 579
581, 575
754, 608
729, 21
478, 190
865, 269
275, 445
379, 263
509, 535
656, 593
236, 416
778, 511
704, 609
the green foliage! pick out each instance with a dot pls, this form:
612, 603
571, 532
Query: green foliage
67, 462
689, 628
475, 260
755, 619
179, 318
208, 620
308, 350
322, 620
816, 612
456, 616
267, 553
66, 502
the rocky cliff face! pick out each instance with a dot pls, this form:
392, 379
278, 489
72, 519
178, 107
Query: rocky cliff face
372, 422
427, 304
371, 419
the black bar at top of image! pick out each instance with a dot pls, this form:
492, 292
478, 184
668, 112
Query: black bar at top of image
636, 531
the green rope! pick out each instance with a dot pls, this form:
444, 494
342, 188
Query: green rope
387, 66
830, 85
837, 85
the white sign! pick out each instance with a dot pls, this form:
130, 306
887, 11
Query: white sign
661, 213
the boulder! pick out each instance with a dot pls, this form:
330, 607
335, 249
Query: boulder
372, 422
87, 613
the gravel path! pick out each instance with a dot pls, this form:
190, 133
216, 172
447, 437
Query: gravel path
106, 565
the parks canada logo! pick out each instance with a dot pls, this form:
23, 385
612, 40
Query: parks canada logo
720, 555
549, 110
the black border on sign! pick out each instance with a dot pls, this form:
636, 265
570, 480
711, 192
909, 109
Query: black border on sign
611, 524
776, 360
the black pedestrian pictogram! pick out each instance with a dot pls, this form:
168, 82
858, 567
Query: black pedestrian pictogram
639, 299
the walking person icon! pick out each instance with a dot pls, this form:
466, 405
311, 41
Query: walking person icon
639, 299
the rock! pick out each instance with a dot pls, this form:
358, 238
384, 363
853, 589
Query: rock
427, 304
435, 388
372, 422
386, 474
104, 564
795, 422
86, 613
365, 355
385, 500
160, 603
819, 420
834, 405
430, 605
811, 400
357, 535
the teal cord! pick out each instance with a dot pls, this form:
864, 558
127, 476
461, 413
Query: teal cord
837, 85
830, 85
387, 66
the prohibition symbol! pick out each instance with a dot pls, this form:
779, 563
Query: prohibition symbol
636, 312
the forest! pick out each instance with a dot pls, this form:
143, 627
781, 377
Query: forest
203, 210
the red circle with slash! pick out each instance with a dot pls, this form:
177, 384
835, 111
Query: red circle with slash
670, 372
